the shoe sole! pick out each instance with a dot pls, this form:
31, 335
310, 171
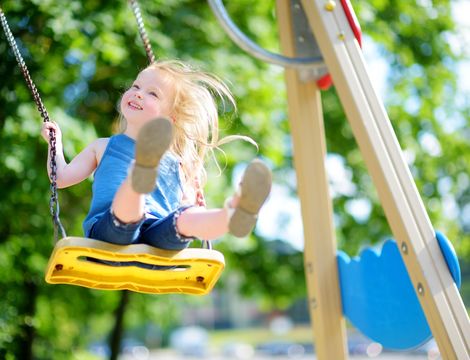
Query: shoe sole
152, 142
255, 188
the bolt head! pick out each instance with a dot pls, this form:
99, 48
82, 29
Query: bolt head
330, 5
420, 289
404, 248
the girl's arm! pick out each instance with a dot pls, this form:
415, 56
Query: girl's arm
79, 168
200, 200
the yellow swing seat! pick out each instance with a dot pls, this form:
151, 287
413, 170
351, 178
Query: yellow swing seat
79, 261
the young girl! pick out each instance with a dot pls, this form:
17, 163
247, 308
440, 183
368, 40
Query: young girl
148, 179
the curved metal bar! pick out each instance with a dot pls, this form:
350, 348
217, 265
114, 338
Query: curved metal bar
254, 49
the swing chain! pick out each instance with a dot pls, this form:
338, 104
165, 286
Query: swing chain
23, 68
54, 200
143, 34
53, 203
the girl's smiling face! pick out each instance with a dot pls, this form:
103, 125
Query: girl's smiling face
151, 95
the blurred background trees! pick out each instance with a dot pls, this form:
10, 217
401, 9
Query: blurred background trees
83, 54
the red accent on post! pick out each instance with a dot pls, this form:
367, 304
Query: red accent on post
325, 81
352, 19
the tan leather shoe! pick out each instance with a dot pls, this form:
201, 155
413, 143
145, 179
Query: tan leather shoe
253, 192
153, 140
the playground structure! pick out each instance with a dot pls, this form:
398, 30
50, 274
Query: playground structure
319, 34
322, 41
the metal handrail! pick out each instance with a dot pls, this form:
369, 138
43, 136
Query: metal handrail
245, 43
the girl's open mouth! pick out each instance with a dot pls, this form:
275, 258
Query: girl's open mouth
134, 105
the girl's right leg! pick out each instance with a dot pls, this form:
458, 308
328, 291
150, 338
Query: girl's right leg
111, 229
152, 141
128, 205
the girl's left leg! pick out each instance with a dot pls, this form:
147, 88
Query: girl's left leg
238, 217
163, 234
240, 212
202, 223
166, 234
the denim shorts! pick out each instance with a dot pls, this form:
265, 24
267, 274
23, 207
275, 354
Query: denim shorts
159, 233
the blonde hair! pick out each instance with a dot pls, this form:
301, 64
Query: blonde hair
195, 115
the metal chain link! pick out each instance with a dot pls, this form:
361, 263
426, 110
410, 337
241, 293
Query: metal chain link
54, 200
143, 34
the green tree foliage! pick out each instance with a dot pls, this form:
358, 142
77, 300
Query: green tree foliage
83, 54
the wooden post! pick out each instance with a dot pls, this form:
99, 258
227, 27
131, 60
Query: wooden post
410, 224
306, 121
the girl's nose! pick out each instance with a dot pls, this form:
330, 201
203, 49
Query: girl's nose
138, 96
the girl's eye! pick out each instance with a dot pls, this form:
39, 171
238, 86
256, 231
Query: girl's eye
154, 94
136, 86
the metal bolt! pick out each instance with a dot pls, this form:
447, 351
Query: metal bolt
297, 6
341, 36
59, 267
200, 279
301, 39
314, 303
404, 248
420, 289
330, 5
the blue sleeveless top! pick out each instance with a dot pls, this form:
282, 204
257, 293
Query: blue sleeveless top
113, 170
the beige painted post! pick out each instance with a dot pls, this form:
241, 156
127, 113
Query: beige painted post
306, 121
410, 224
